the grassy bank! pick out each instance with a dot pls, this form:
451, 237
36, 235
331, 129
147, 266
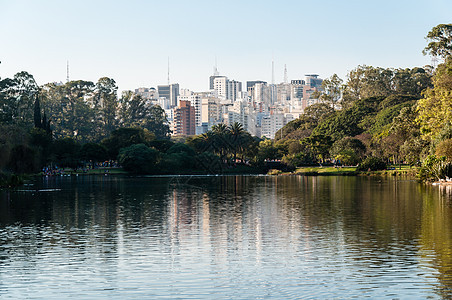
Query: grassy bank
349, 171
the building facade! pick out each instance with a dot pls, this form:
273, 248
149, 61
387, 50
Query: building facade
184, 119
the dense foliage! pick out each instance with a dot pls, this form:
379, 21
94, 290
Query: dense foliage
374, 117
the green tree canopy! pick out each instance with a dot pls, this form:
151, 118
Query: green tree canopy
440, 38
125, 137
435, 109
138, 159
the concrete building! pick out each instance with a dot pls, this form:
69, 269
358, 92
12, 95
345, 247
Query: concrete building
210, 112
169, 92
195, 100
220, 86
227, 89
147, 93
312, 80
271, 124
235, 90
184, 119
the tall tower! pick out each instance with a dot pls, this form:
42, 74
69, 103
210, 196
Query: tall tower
273, 70
215, 69
67, 71
168, 71
285, 75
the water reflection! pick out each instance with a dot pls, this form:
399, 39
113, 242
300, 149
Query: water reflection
231, 236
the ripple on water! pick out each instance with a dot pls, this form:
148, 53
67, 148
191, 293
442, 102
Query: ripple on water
228, 238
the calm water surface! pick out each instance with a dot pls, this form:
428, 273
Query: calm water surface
239, 237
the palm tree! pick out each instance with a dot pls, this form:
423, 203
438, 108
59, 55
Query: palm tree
221, 137
236, 132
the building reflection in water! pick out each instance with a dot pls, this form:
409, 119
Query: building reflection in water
365, 229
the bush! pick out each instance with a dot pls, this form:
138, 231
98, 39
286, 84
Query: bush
138, 159
372, 163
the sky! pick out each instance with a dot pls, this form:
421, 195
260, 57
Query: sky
132, 41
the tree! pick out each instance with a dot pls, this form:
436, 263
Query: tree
435, 109
221, 140
17, 99
318, 145
236, 132
412, 81
66, 152
70, 110
349, 150
318, 112
133, 110
331, 90
93, 152
125, 137
179, 158
440, 44
138, 159
157, 122
267, 150
106, 104
22, 160
41, 142
444, 148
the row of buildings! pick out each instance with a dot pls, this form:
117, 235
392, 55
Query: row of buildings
261, 108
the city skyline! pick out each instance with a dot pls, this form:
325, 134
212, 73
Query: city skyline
132, 42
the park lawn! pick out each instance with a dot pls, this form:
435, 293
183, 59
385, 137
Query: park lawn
326, 171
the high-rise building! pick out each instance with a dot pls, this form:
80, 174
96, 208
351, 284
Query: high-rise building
220, 85
195, 100
216, 74
211, 112
234, 90
313, 81
227, 89
169, 92
184, 119
272, 123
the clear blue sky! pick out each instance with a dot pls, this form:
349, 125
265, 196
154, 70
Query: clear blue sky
130, 41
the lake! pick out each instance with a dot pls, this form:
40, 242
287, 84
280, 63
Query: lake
225, 237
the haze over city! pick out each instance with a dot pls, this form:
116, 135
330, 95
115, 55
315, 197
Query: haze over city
132, 41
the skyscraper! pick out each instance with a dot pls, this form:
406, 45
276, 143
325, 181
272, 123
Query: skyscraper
169, 92
184, 119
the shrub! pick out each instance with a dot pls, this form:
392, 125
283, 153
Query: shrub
372, 163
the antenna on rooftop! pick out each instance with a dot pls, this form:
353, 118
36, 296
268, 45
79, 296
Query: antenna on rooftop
67, 71
168, 71
285, 74
215, 69
273, 69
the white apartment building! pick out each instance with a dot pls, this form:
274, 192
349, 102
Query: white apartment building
226, 89
220, 86
270, 124
210, 111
